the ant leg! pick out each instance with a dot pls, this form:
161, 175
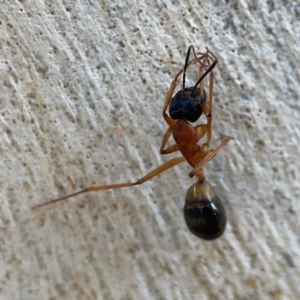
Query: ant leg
165, 166
171, 92
215, 59
165, 139
201, 129
164, 142
208, 157
169, 150
207, 71
48, 205
202, 92
209, 110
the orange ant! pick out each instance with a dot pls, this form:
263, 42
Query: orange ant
203, 211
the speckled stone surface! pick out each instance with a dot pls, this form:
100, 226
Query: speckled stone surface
82, 89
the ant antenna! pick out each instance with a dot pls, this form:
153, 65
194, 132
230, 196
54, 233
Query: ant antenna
209, 69
186, 64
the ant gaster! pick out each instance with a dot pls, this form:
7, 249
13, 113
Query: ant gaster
203, 211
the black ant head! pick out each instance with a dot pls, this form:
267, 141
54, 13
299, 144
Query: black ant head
186, 104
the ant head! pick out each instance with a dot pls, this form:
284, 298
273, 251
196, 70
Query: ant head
186, 104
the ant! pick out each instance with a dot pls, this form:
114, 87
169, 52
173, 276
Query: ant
203, 211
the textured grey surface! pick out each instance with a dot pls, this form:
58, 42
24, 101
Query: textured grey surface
82, 89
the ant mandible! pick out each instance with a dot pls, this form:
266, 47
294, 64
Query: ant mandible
203, 211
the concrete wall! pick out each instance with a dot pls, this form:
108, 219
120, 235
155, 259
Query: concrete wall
82, 89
